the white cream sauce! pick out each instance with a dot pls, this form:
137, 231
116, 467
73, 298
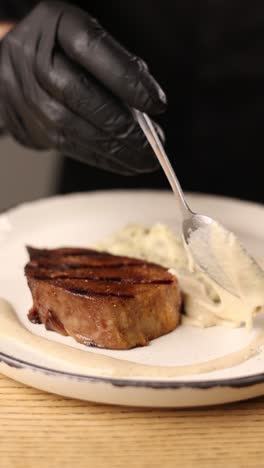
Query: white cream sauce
12, 333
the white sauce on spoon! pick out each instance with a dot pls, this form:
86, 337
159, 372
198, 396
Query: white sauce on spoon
232, 266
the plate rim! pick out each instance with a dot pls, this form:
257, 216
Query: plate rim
235, 382
17, 206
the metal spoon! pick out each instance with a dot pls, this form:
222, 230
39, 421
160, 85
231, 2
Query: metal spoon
191, 221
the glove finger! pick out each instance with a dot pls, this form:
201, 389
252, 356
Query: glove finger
75, 88
85, 97
113, 130
95, 159
127, 76
66, 129
114, 161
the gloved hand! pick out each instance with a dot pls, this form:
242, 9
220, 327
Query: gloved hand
66, 84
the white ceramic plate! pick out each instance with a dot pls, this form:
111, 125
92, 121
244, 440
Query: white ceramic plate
81, 220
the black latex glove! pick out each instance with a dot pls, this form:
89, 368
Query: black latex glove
66, 84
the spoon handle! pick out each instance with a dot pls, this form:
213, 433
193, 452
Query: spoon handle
154, 141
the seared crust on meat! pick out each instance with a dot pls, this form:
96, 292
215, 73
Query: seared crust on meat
101, 299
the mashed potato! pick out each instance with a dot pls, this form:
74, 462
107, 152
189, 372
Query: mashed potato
206, 303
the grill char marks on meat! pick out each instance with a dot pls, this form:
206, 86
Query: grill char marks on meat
101, 299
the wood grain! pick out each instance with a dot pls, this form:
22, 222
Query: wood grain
40, 430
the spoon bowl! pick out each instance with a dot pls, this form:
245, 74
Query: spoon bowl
197, 233
196, 228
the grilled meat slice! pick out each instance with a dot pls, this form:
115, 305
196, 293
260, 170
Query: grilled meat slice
101, 299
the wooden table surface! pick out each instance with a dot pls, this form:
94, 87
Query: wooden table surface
40, 430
